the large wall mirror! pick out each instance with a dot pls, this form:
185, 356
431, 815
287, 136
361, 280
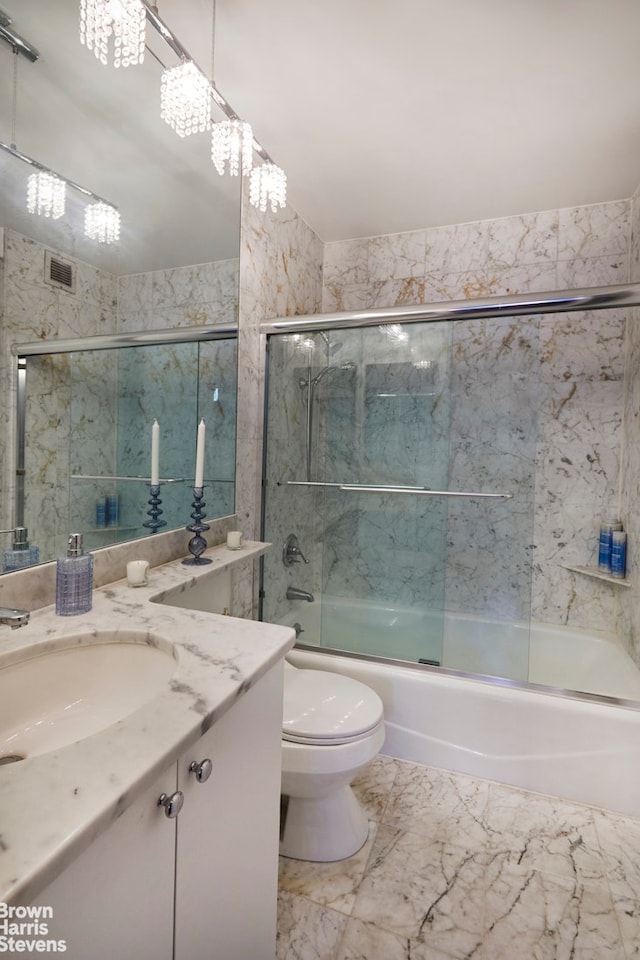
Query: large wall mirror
87, 414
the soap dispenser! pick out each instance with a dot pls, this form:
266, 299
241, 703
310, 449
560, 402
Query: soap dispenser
21, 554
74, 579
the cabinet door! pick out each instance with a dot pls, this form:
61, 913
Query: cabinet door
116, 898
227, 848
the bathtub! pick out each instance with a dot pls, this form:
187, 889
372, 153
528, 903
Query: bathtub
584, 748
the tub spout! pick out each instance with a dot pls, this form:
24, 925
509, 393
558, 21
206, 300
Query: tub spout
293, 593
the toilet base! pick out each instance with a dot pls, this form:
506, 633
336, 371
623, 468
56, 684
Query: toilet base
325, 828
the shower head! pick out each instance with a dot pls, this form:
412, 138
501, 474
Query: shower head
332, 368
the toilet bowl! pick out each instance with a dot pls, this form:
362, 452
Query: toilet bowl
332, 729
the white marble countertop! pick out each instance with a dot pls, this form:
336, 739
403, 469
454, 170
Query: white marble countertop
54, 805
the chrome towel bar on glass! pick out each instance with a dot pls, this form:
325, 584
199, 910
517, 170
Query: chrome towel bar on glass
419, 491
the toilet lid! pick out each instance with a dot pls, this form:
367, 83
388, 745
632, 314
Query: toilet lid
326, 707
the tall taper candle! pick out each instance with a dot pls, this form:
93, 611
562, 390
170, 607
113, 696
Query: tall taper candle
199, 481
155, 454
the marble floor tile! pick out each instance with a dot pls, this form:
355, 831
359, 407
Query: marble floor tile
423, 890
365, 941
372, 788
457, 868
620, 842
307, 931
439, 804
534, 915
543, 833
333, 884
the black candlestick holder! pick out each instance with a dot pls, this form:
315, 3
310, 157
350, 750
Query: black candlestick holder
154, 512
197, 544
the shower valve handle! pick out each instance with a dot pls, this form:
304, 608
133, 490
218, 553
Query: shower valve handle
291, 552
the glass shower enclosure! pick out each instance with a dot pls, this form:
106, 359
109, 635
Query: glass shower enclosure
402, 459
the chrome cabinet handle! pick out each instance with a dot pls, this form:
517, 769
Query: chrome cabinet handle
172, 803
202, 770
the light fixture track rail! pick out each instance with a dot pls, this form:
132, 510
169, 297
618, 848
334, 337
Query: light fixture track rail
181, 51
40, 166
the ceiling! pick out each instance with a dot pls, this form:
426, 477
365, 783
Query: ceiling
393, 115
386, 115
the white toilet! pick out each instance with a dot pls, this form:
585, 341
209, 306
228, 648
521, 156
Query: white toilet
332, 729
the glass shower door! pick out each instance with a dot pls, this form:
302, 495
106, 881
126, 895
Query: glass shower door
383, 435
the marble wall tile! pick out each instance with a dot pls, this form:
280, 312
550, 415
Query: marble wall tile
529, 239
350, 296
346, 262
592, 271
195, 295
35, 310
597, 230
460, 248
406, 251
521, 278
280, 268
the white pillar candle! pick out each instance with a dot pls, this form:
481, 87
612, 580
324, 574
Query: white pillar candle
155, 454
199, 481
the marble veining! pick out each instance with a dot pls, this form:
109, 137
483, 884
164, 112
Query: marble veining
457, 868
55, 804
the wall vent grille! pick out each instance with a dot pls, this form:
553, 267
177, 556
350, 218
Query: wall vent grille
58, 272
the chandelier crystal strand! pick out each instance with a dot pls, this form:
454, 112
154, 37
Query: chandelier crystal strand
185, 99
232, 142
268, 185
46, 195
102, 223
122, 21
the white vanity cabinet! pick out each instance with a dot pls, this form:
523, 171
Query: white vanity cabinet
228, 833
116, 899
202, 886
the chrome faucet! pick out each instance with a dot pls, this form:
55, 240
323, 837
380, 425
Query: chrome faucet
15, 618
294, 593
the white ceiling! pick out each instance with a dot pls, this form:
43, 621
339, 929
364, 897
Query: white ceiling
387, 115
392, 115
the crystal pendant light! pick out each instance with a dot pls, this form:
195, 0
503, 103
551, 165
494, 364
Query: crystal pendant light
122, 21
46, 195
102, 223
232, 142
185, 99
268, 184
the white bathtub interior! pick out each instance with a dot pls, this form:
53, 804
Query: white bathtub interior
549, 654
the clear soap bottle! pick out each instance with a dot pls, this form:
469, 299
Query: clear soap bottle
21, 554
74, 579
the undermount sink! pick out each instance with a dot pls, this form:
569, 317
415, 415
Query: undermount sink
49, 700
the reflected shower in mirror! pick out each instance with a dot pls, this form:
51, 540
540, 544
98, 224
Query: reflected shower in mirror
87, 417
